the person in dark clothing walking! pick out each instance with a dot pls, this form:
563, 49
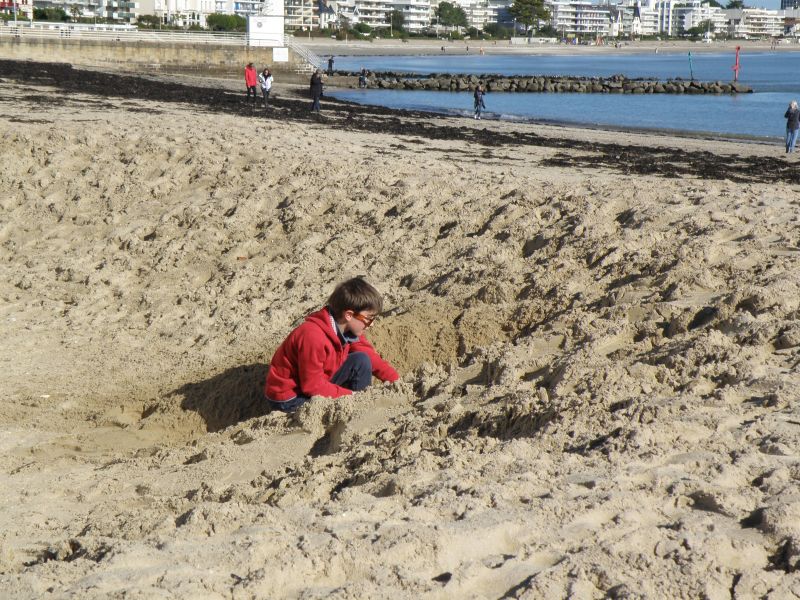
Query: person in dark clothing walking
479, 104
330, 65
316, 90
792, 125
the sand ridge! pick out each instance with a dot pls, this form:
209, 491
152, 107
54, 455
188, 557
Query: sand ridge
598, 389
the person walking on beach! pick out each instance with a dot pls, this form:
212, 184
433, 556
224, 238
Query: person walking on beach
328, 354
265, 81
792, 125
316, 90
479, 104
330, 65
250, 80
362, 78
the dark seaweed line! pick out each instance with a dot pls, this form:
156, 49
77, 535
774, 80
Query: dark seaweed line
628, 159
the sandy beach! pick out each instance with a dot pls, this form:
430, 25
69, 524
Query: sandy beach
597, 335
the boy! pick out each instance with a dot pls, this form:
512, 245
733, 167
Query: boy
328, 354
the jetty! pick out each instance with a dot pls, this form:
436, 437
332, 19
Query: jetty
616, 84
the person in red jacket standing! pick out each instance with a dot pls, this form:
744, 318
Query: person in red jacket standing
251, 80
328, 354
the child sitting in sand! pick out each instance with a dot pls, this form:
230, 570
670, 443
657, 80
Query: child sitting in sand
328, 354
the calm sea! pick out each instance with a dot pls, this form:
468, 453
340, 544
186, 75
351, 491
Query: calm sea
775, 76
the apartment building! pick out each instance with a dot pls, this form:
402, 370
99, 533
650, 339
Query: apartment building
416, 14
23, 9
580, 19
184, 13
478, 12
696, 13
79, 8
497, 11
629, 19
233, 7
751, 23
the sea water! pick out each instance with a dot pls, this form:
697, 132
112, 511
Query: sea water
773, 76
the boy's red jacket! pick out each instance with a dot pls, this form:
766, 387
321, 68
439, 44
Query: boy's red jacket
309, 357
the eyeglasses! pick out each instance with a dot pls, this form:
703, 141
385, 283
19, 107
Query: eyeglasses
367, 321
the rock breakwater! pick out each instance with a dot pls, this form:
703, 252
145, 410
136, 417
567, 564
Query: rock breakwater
617, 84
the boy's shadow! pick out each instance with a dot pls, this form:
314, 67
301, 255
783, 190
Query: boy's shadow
228, 398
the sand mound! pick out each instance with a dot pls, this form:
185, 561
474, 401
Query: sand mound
598, 393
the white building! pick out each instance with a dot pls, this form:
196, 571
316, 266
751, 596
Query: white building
497, 11
478, 12
23, 8
416, 13
696, 13
300, 14
80, 8
755, 22
184, 13
629, 19
580, 19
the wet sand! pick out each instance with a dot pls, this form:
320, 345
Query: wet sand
596, 331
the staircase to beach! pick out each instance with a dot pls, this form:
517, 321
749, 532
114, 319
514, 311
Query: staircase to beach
310, 61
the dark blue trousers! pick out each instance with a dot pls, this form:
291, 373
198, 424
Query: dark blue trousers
355, 374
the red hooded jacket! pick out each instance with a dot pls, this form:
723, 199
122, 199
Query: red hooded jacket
250, 76
309, 357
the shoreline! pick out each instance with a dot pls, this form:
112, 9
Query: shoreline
674, 133
324, 47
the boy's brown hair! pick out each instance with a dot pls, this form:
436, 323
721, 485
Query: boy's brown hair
356, 295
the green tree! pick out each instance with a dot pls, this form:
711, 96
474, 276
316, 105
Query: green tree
701, 29
735, 4
50, 14
398, 20
529, 12
715, 3
450, 15
547, 31
220, 22
496, 30
150, 21
363, 28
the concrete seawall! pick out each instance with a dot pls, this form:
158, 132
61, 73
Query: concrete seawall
205, 59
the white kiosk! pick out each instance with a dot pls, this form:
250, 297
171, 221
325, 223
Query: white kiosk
266, 30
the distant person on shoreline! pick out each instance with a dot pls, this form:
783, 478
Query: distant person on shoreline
792, 125
330, 65
250, 80
316, 90
328, 354
362, 78
265, 80
480, 106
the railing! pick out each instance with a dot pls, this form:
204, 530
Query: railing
307, 55
155, 36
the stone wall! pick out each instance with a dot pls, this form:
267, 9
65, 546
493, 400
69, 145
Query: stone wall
204, 59
617, 84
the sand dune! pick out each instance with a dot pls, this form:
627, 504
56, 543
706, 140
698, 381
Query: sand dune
599, 362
